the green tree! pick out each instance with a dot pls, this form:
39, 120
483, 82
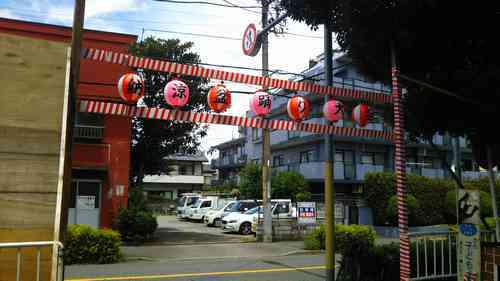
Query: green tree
290, 185
152, 140
251, 181
392, 211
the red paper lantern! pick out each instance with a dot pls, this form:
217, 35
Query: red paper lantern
298, 108
361, 114
219, 98
131, 87
333, 110
261, 103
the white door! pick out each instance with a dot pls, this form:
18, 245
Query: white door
86, 202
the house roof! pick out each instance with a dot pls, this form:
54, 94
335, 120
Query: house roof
230, 143
198, 157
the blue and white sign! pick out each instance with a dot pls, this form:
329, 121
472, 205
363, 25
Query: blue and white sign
306, 212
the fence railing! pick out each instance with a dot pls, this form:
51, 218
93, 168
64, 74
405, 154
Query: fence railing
89, 132
55, 245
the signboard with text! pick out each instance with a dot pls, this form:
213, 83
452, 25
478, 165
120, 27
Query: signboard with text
469, 236
306, 212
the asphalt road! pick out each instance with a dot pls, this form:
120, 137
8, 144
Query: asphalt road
286, 268
172, 231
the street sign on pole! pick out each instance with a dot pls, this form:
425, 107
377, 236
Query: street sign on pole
469, 236
306, 212
252, 41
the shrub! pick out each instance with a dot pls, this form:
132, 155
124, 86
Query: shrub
136, 226
431, 196
87, 245
345, 237
392, 210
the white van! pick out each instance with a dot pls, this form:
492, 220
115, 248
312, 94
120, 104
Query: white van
185, 202
203, 205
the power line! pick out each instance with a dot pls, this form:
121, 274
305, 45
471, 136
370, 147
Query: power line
196, 34
210, 3
234, 5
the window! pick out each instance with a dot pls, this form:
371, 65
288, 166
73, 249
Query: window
206, 204
367, 158
306, 156
89, 119
229, 207
293, 134
372, 158
182, 170
278, 160
282, 208
256, 134
339, 156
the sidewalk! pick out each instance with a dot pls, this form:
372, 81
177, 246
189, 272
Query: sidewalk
213, 251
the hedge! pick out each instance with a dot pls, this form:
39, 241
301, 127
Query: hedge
136, 226
430, 194
363, 260
88, 245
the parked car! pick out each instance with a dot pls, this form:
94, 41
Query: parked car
185, 202
200, 208
243, 222
213, 217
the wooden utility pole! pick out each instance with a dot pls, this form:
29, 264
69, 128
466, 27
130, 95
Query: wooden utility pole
266, 140
64, 191
491, 178
329, 177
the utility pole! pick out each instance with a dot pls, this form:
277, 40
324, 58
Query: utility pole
61, 216
329, 152
266, 140
457, 161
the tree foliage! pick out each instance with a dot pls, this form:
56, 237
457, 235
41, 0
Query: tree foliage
251, 181
290, 185
435, 43
152, 140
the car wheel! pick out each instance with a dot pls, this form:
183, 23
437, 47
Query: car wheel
246, 228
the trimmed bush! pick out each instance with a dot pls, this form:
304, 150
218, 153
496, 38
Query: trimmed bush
431, 197
345, 237
136, 226
87, 245
392, 210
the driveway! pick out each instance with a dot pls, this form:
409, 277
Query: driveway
172, 231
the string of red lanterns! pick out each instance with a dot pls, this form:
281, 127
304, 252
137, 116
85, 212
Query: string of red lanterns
176, 93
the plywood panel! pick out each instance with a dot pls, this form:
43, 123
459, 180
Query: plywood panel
31, 93
33, 74
22, 172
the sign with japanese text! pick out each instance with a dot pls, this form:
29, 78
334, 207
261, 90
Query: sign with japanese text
306, 212
469, 236
85, 202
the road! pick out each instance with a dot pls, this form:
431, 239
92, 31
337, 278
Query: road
285, 268
172, 231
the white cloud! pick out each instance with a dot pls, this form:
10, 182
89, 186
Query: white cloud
6, 13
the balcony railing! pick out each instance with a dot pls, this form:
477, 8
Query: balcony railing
89, 132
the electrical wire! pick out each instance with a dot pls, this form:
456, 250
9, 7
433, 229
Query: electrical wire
195, 34
210, 3
248, 10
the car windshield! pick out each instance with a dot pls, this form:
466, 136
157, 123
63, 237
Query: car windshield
181, 201
197, 204
229, 207
254, 211
192, 200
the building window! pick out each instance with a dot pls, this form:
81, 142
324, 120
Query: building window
256, 134
306, 156
372, 158
278, 160
339, 156
182, 170
293, 134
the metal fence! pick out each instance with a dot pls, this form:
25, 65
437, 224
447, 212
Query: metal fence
434, 254
19, 246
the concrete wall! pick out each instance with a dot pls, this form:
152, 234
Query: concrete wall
286, 229
31, 102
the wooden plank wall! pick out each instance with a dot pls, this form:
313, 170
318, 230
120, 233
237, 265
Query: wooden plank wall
32, 80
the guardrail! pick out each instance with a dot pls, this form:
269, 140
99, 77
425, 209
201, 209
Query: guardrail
56, 245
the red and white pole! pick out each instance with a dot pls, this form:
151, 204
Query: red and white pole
400, 160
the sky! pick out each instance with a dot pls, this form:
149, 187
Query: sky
140, 17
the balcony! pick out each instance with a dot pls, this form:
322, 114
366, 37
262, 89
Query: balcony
425, 172
231, 161
179, 179
89, 132
474, 174
362, 169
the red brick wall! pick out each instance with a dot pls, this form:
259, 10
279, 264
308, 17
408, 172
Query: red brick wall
490, 258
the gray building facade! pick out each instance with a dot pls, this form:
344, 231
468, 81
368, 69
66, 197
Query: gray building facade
354, 156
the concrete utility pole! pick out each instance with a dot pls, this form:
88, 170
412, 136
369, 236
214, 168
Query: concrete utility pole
266, 140
329, 152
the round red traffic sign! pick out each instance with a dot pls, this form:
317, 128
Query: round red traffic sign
251, 41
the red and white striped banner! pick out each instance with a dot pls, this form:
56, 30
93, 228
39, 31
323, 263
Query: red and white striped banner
210, 118
113, 57
470, 276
